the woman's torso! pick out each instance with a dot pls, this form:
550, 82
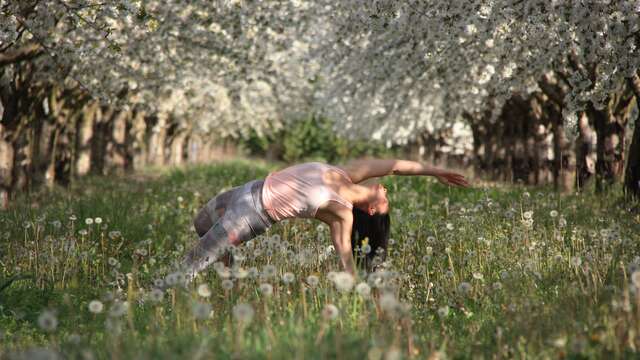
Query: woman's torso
299, 190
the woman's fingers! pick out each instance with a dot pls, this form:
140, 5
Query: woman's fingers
453, 179
457, 179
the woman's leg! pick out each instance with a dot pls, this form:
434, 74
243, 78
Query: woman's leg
208, 249
213, 210
202, 222
240, 222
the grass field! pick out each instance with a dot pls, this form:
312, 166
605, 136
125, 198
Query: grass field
471, 273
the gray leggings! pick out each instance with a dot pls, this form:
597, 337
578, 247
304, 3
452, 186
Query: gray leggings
228, 219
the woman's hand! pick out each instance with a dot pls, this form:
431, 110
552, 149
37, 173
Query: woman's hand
451, 178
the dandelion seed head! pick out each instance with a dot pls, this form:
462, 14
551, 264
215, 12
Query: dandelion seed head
288, 277
172, 279
88, 221
562, 222
266, 289
201, 311
74, 339
204, 291
240, 273
47, 321
363, 289
156, 295
366, 248
313, 281
464, 288
118, 309
243, 313
269, 271
96, 306
443, 311
141, 252
389, 303
343, 281
330, 312
227, 284
224, 272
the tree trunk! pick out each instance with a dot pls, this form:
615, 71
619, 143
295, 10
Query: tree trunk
9, 105
136, 146
585, 152
84, 133
177, 148
57, 115
6, 169
563, 156
116, 143
632, 175
101, 131
50, 170
157, 140
610, 126
478, 149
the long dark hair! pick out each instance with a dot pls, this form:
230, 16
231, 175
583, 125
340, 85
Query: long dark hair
374, 227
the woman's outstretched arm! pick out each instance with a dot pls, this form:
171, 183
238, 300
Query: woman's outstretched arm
360, 170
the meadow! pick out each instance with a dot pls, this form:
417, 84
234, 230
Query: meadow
486, 272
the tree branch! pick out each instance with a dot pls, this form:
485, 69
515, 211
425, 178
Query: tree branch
25, 52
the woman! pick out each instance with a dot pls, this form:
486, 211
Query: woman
331, 194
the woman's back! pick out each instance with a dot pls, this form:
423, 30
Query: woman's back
299, 190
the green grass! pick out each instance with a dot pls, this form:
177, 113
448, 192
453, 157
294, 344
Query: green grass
465, 277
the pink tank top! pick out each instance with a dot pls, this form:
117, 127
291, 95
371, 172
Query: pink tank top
299, 190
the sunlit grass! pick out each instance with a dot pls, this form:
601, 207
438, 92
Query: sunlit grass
508, 272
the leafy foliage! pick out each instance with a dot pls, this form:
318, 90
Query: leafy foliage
314, 137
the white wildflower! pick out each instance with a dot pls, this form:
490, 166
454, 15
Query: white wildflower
204, 291
243, 312
96, 306
330, 312
47, 321
266, 289
343, 281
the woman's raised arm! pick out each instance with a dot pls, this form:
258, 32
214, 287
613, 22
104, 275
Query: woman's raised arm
360, 170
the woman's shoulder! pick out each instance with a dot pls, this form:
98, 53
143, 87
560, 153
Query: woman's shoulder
344, 171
